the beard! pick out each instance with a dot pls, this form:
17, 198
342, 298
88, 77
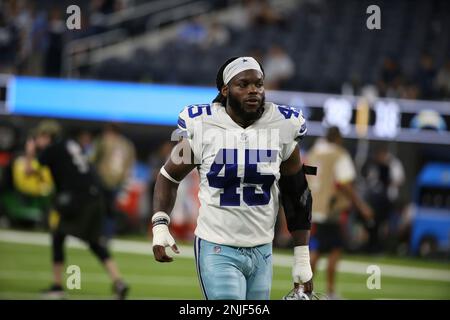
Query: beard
239, 108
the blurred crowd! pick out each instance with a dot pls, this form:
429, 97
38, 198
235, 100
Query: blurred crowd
26, 197
429, 82
33, 33
33, 37
27, 189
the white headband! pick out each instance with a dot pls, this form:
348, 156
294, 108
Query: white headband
239, 65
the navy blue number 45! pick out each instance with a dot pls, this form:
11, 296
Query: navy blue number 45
230, 180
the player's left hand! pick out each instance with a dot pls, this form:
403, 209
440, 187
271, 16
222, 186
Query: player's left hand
301, 270
308, 286
302, 274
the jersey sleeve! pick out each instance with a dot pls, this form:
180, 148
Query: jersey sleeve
297, 130
187, 122
299, 127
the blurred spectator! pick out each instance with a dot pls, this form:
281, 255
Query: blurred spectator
98, 13
390, 71
398, 86
114, 157
333, 193
403, 229
9, 45
409, 90
442, 81
29, 176
36, 45
26, 196
217, 35
9, 138
32, 42
241, 17
105, 6
266, 15
278, 68
370, 92
78, 203
390, 78
255, 13
86, 140
53, 55
425, 77
193, 32
384, 174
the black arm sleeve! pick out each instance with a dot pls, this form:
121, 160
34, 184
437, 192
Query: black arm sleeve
297, 200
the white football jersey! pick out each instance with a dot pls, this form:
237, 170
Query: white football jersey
239, 170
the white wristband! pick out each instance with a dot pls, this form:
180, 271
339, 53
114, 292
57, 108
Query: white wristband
167, 175
160, 217
301, 271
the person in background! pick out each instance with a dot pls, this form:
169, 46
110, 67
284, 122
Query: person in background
78, 202
279, 67
384, 174
26, 189
113, 156
333, 193
29, 176
442, 81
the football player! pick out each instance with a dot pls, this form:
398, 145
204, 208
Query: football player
245, 150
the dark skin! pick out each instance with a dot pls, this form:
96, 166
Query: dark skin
166, 191
301, 237
247, 89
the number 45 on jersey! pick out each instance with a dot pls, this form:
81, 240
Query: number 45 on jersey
251, 184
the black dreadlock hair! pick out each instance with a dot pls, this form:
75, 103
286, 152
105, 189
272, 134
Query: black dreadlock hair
220, 83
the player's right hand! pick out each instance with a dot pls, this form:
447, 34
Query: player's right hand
301, 270
162, 239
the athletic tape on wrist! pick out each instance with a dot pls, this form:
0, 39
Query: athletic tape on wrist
160, 217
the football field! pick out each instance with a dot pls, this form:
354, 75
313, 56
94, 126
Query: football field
25, 271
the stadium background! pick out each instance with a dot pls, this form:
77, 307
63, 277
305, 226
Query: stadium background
137, 63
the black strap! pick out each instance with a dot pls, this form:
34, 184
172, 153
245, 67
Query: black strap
310, 170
